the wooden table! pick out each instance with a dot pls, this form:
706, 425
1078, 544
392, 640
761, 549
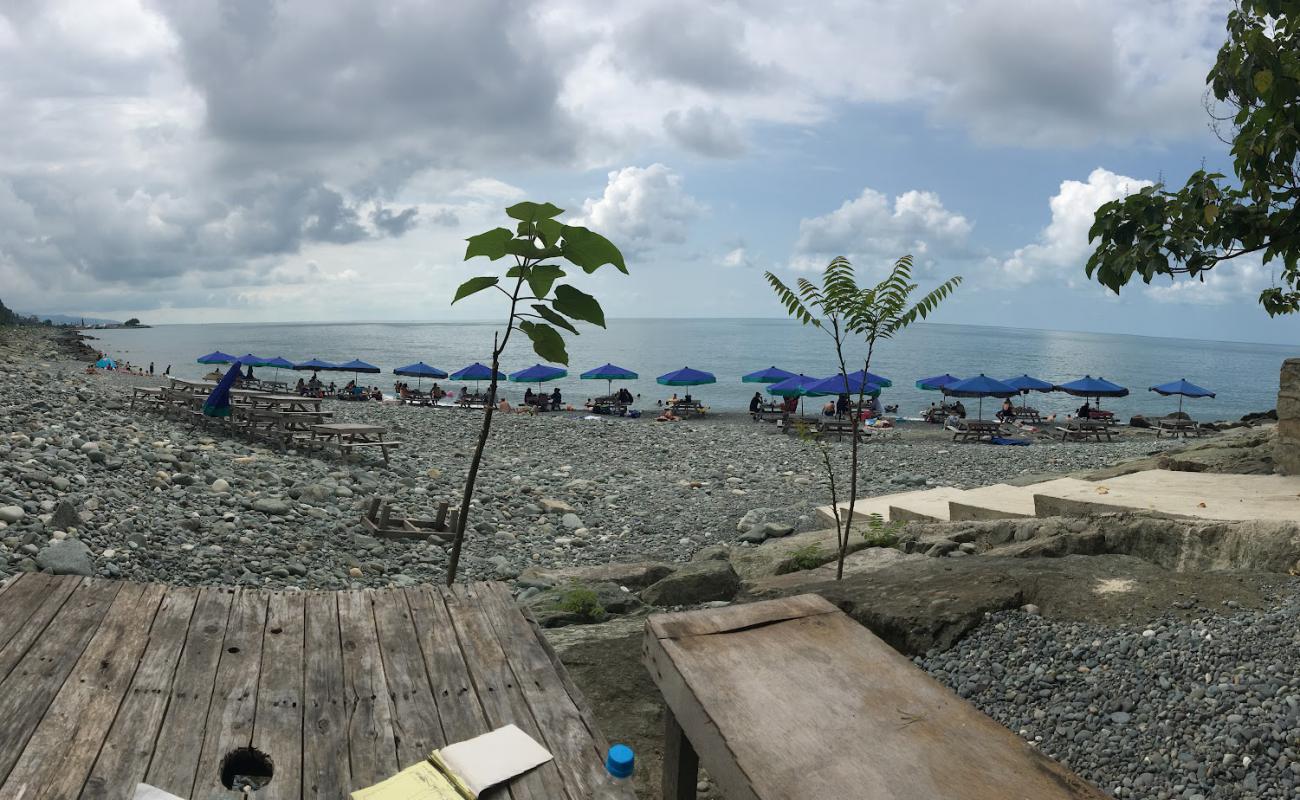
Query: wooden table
975, 429
104, 684
792, 700
1079, 430
348, 435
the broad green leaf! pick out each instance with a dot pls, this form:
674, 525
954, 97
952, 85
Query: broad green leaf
474, 285
547, 341
533, 212
590, 250
491, 244
1263, 81
1211, 213
578, 305
549, 231
553, 318
541, 277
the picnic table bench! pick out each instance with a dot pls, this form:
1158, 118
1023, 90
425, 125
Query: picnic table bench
106, 684
1027, 414
1080, 429
791, 700
350, 435
974, 429
684, 409
149, 396
1177, 426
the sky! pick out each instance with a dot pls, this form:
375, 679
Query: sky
255, 160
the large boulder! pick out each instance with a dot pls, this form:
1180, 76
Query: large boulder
760, 517
694, 582
66, 557
634, 575
65, 516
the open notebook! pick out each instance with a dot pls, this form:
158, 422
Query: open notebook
463, 770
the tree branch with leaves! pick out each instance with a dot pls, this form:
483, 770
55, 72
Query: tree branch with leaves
848, 313
538, 242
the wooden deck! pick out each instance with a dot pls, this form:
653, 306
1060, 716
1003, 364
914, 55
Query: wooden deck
104, 684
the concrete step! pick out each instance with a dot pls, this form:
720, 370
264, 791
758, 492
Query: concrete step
930, 505
1003, 501
1200, 495
885, 503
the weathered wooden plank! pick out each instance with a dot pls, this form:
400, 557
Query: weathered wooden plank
730, 618
277, 730
417, 729
681, 764
19, 599
53, 593
459, 709
124, 758
730, 691
62, 749
234, 695
325, 769
498, 688
561, 722
371, 750
175, 757
39, 675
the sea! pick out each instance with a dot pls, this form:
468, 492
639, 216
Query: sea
1244, 376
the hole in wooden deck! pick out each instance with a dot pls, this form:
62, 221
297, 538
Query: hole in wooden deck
246, 770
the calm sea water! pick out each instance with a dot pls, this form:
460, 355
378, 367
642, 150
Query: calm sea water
1244, 375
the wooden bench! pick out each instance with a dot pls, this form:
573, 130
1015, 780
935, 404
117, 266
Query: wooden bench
791, 700
1027, 414
346, 436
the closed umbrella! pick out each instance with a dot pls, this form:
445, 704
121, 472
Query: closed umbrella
769, 375
218, 403
609, 373
1182, 388
980, 386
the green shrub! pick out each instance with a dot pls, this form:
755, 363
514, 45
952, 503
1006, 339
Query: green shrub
810, 556
582, 602
880, 533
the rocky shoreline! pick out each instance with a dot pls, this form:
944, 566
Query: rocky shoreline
143, 497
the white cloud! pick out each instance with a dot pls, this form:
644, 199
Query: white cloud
642, 207
872, 228
709, 132
736, 257
1062, 247
1239, 280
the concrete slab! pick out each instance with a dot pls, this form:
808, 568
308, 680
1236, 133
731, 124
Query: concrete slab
880, 504
1197, 495
928, 506
1003, 501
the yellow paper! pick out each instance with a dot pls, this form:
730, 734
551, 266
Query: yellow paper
422, 781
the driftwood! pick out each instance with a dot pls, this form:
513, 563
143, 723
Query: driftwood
381, 521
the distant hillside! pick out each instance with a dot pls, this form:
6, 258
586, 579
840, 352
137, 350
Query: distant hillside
7, 317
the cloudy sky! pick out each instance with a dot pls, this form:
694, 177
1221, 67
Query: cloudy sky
205, 160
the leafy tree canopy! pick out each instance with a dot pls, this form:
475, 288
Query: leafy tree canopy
1256, 77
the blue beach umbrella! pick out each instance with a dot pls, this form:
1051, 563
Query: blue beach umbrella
796, 386
538, 373
1026, 384
356, 365
686, 377
476, 372
769, 375
216, 357
315, 365
609, 373
250, 360
936, 383
218, 403
420, 371
981, 386
106, 363
1088, 386
837, 385
278, 363
878, 380
1183, 389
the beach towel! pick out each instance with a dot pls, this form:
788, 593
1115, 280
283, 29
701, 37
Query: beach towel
218, 403
1013, 442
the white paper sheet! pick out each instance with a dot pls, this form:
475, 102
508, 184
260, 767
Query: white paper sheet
487, 760
144, 791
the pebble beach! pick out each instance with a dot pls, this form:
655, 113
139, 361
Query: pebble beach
149, 498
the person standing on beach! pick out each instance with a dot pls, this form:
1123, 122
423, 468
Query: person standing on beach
168, 371
151, 369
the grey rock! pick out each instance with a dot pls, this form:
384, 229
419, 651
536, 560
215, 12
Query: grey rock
65, 516
694, 582
271, 506
66, 557
11, 514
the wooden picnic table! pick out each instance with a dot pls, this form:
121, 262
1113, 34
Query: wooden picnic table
105, 684
1177, 426
1080, 429
349, 435
975, 429
791, 700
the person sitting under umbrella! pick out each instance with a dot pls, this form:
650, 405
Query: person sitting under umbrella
528, 396
555, 399
755, 404
1085, 410
1008, 412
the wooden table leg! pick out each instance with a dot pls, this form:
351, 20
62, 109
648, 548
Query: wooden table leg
681, 764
